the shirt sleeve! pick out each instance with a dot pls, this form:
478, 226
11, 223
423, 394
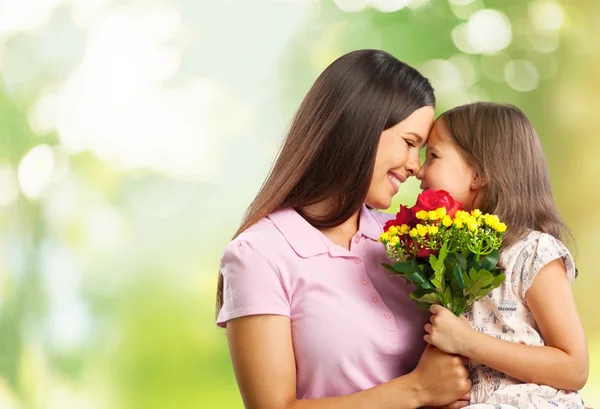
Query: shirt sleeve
543, 250
252, 285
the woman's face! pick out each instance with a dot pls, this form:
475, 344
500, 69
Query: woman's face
446, 169
398, 156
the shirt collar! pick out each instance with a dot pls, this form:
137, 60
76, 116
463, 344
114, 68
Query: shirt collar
307, 241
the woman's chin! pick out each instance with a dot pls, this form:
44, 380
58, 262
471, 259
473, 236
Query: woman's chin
380, 204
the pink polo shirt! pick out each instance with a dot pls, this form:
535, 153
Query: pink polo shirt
353, 324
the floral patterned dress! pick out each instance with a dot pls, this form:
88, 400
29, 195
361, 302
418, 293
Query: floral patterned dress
504, 314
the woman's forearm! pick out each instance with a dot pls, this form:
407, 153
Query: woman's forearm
399, 393
546, 365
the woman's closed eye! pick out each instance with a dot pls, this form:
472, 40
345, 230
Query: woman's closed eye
410, 143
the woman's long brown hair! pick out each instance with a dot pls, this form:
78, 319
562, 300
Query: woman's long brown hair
329, 152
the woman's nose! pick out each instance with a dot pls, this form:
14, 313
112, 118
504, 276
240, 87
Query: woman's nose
421, 172
413, 166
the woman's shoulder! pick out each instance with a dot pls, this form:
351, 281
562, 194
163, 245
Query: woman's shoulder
260, 232
256, 252
260, 238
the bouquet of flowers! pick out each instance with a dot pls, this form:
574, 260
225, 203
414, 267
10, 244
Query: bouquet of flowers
450, 255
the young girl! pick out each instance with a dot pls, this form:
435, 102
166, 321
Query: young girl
525, 339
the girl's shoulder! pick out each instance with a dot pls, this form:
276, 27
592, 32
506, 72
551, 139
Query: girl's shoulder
537, 244
525, 258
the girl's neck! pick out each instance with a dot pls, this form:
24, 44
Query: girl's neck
341, 234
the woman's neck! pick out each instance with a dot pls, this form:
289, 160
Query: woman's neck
341, 234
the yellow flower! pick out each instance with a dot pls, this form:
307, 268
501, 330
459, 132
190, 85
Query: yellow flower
441, 211
491, 219
447, 221
432, 230
384, 238
458, 223
394, 241
404, 229
422, 230
476, 213
433, 215
422, 215
472, 225
393, 231
461, 214
500, 227
413, 233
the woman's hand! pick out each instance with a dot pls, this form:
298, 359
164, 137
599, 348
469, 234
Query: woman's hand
447, 331
441, 378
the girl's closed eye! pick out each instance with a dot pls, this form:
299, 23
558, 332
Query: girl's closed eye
433, 155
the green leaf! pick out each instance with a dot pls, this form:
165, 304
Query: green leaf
439, 267
426, 300
455, 273
437, 278
406, 268
458, 278
420, 281
498, 280
388, 266
490, 261
447, 298
479, 294
418, 266
462, 262
458, 303
468, 282
433, 261
420, 292
480, 279
482, 292
427, 270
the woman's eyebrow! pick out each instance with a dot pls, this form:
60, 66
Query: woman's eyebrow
416, 135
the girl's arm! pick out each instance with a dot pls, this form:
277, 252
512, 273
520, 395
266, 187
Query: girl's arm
264, 364
561, 364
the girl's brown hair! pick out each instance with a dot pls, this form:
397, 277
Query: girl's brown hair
500, 143
329, 152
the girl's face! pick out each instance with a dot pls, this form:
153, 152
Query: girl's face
398, 156
446, 169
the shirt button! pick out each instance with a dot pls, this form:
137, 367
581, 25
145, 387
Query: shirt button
375, 299
356, 260
364, 280
387, 315
357, 239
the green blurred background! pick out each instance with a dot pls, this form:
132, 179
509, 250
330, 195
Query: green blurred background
133, 135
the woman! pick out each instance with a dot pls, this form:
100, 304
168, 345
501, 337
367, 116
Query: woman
313, 321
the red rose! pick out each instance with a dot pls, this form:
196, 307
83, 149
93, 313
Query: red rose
404, 216
425, 253
434, 199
